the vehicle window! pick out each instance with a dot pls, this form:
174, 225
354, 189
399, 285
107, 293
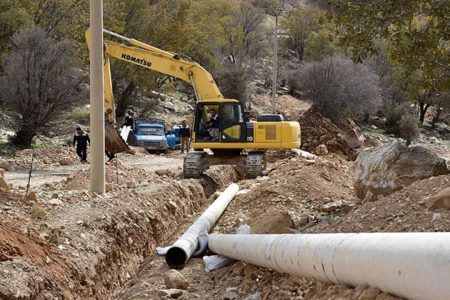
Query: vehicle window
151, 131
232, 113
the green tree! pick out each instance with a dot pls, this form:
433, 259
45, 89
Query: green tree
298, 25
414, 34
417, 30
320, 44
12, 19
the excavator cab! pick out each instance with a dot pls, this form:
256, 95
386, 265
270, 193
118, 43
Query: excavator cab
219, 121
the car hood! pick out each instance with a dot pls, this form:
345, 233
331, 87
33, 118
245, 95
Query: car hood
150, 138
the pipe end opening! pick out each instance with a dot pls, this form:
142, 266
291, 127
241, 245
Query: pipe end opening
176, 257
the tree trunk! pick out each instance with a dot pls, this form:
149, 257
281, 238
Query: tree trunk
24, 137
124, 99
423, 107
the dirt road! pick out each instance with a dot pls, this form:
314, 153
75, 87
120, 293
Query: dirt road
148, 162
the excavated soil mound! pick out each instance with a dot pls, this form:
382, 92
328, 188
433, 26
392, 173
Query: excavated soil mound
404, 210
317, 130
43, 158
294, 185
114, 174
46, 268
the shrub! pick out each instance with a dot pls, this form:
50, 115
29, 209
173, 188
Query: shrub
394, 113
338, 88
409, 128
80, 115
39, 82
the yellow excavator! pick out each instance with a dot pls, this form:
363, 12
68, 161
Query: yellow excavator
221, 133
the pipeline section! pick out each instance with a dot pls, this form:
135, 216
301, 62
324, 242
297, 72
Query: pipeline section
411, 265
182, 249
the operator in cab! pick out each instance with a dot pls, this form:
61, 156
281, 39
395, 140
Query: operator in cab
213, 124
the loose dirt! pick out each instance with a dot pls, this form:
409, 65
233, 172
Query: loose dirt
317, 130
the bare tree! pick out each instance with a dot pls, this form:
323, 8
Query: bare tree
338, 88
244, 44
38, 82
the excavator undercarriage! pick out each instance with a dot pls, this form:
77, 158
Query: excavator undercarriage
251, 164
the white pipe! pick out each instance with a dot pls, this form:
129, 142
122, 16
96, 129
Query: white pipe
303, 153
411, 265
181, 250
97, 116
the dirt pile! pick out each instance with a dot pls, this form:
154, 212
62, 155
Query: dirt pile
116, 174
293, 185
43, 158
317, 130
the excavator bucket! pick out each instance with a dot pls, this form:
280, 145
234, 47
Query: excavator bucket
114, 142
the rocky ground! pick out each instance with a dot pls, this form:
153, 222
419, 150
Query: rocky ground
60, 241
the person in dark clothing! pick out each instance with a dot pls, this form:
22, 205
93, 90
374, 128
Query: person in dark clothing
214, 121
129, 120
185, 133
81, 140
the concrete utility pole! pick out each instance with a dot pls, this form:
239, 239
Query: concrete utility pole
275, 66
97, 116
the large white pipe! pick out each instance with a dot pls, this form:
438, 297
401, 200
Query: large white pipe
411, 265
97, 117
182, 249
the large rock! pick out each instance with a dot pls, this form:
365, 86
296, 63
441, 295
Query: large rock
441, 200
385, 169
321, 150
352, 134
175, 280
272, 222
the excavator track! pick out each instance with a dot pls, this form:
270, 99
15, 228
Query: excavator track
193, 165
255, 164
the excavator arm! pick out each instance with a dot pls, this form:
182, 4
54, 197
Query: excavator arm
155, 59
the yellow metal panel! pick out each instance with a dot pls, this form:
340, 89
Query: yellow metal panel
290, 134
233, 131
267, 132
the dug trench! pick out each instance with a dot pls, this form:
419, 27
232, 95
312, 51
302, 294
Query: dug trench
63, 242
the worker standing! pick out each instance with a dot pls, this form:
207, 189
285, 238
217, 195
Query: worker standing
81, 140
129, 120
185, 133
